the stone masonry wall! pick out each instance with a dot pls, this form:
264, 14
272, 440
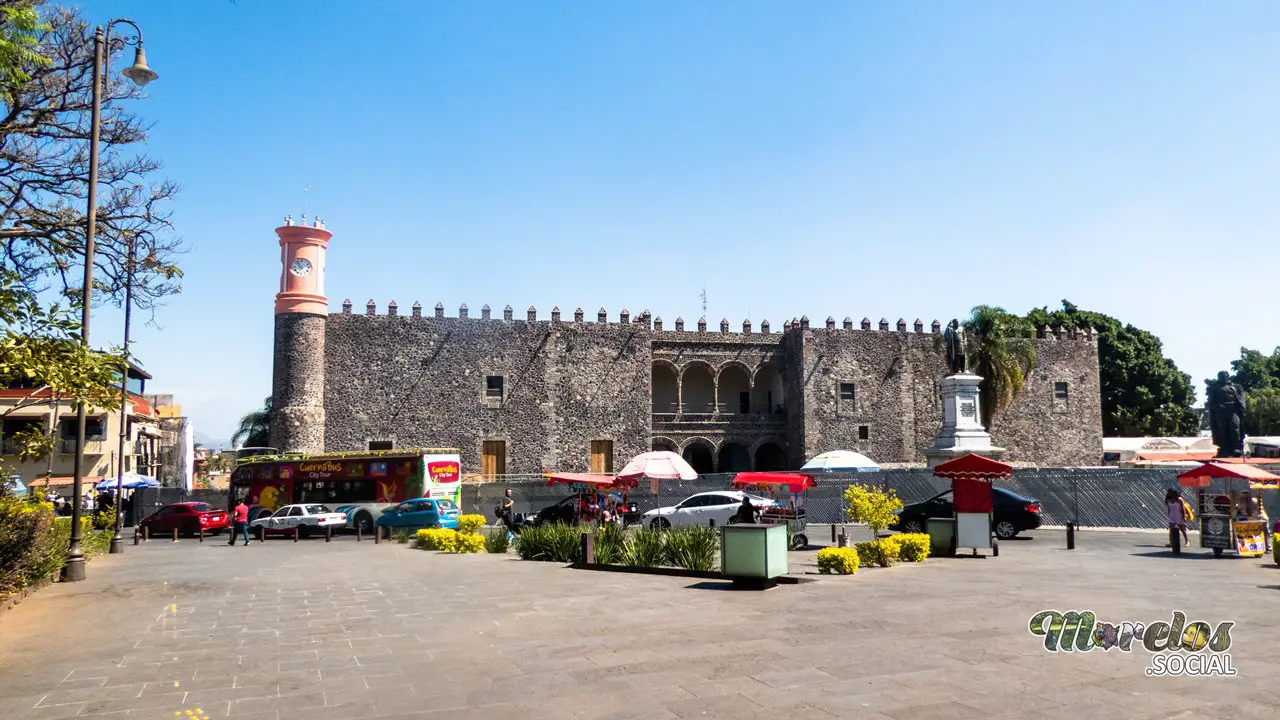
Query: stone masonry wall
420, 381
1041, 429
298, 383
895, 374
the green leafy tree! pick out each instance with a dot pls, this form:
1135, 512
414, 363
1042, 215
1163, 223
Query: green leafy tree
1254, 370
1262, 416
20, 28
255, 428
1001, 350
874, 507
1143, 392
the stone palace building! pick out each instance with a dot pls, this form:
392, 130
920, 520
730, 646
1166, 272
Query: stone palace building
521, 393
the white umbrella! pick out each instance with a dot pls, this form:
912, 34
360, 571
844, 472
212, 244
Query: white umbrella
841, 460
658, 465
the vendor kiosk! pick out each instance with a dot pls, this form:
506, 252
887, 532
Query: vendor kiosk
1228, 498
971, 477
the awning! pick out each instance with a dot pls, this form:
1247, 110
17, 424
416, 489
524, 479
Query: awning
973, 467
596, 480
1258, 478
794, 482
88, 481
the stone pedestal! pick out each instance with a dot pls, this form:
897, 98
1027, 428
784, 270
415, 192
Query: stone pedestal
961, 432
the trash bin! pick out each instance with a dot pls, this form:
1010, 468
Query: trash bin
942, 536
753, 554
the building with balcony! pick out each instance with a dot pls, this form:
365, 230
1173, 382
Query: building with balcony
37, 407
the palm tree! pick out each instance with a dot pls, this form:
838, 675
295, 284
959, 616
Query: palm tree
1001, 350
255, 428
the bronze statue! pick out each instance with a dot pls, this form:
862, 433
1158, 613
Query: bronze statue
1225, 403
957, 361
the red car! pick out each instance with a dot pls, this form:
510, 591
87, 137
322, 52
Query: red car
187, 518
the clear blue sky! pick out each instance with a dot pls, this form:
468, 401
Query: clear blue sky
878, 159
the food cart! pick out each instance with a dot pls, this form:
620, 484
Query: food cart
593, 492
1230, 506
971, 477
787, 491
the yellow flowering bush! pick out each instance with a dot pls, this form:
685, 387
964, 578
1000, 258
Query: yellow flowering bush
838, 561
468, 524
468, 543
910, 547
880, 553
437, 539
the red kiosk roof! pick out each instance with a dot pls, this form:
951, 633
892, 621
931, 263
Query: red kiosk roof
973, 467
598, 480
795, 482
1200, 476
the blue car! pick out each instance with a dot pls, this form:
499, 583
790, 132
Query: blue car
420, 513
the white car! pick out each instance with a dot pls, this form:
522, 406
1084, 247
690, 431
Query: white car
701, 509
307, 517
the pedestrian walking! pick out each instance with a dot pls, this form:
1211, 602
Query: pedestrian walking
1177, 520
506, 513
240, 516
1188, 518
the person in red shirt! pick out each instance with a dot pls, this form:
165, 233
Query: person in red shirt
241, 518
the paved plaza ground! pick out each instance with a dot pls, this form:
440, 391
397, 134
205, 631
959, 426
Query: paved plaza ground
331, 631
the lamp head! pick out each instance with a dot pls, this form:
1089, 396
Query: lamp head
138, 72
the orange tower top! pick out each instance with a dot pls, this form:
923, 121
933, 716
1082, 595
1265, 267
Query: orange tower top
302, 259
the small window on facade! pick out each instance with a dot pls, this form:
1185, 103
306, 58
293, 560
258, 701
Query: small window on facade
864, 432
847, 392
382, 445
493, 387
1060, 390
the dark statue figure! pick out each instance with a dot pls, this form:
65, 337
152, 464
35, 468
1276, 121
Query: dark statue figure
957, 360
1225, 404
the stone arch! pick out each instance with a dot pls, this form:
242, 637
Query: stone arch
665, 387
733, 457
768, 395
665, 443
697, 388
733, 388
770, 455
700, 453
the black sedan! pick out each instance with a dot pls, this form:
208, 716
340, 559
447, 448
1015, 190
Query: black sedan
1011, 513
565, 511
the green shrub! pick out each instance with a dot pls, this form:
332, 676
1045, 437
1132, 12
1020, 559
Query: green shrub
645, 549
876, 553
551, 542
838, 561
401, 536
467, 542
611, 544
497, 542
33, 542
691, 548
911, 547
470, 523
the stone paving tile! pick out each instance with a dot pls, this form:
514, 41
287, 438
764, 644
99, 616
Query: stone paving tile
343, 630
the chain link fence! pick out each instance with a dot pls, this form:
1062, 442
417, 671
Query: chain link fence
1088, 497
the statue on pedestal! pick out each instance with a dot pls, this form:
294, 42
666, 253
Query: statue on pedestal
957, 360
1226, 405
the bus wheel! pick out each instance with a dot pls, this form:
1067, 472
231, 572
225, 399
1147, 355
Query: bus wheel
364, 523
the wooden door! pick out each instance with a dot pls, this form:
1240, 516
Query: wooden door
493, 458
602, 456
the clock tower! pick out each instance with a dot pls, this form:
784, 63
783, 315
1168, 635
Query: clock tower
297, 383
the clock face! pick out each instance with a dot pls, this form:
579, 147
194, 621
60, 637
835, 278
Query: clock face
300, 267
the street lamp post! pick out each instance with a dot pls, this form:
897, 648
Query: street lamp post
117, 540
140, 74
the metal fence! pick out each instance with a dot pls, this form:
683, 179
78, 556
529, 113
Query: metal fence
1088, 497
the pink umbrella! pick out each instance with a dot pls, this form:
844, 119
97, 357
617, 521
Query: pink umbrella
658, 465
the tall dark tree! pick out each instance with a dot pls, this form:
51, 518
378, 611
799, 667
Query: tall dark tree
1001, 350
45, 103
255, 428
1143, 392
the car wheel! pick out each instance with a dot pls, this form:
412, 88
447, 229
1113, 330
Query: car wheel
659, 524
364, 523
1005, 530
304, 531
799, 542
912, 526
192, 529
